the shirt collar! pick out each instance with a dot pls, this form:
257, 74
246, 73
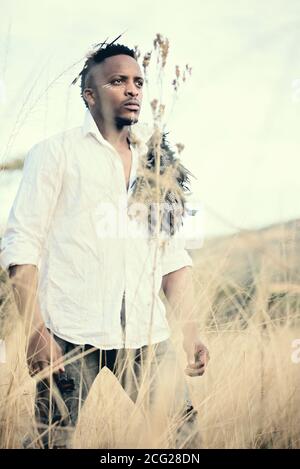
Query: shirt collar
140, 133
90, 127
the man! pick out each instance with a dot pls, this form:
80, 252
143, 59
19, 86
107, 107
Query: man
82, 289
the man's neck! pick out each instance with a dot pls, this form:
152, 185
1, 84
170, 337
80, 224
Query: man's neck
116, 136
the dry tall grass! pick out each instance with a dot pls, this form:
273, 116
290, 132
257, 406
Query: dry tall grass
248, 398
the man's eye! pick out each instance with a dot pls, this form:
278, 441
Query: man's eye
140, 83
117, 81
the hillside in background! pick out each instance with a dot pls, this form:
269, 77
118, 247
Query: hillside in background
235, 270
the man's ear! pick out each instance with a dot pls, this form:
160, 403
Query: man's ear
88, 94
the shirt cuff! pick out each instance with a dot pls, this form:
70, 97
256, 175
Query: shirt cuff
8, 258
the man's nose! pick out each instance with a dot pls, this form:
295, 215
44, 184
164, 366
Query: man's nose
132, 90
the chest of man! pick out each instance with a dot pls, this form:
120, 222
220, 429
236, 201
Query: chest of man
126, 158
96, 173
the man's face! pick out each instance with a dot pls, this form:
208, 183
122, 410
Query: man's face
114, 90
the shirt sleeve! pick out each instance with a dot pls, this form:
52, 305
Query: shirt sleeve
175, 255
33, 206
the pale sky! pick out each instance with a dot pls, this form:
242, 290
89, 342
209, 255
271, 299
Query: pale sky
237, 115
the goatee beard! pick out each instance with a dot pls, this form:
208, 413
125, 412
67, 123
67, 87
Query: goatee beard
124, 121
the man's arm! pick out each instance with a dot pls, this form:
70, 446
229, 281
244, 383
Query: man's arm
23, 242
24, 280
178, 288
41, 348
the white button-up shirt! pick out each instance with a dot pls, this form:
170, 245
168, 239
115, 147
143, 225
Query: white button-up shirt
56, 223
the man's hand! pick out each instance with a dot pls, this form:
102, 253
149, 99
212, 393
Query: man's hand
197, 356
43, 350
